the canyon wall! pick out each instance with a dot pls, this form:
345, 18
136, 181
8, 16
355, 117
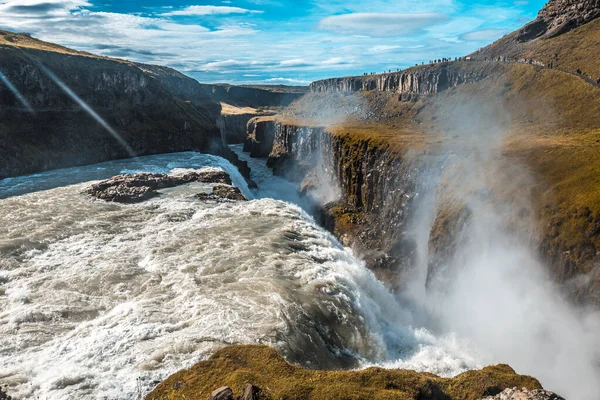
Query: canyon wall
241, 96
422, 80
145, 110
233, 127
377, 189
378, 197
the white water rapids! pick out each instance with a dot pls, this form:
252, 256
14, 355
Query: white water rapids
103, 300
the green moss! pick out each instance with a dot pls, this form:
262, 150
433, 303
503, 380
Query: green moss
235, 366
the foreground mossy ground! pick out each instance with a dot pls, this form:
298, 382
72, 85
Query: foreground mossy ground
236, 366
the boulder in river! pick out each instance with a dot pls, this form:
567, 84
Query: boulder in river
223, 192
134, 188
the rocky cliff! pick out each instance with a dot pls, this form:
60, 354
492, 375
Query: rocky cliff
560, 16
365, 194
422, 80
61, 108
233, 127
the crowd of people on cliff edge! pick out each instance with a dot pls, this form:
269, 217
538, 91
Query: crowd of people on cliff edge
505, 59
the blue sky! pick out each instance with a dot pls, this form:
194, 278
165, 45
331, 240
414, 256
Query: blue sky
270, 41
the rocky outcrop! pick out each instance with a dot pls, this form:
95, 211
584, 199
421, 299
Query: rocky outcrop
377, 189
135, 188
560, 16
525, 394
223, 192
233, 127
223, 393
260, 135
424, 80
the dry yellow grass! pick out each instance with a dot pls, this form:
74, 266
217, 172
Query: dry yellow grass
228, 109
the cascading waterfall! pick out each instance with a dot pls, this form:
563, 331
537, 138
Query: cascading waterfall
103, 300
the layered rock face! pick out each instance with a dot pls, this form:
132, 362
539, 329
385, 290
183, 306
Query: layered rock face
198, 93
260, 135
375, 189
233, 127
425, 80
560, 16
52, 130
249, 96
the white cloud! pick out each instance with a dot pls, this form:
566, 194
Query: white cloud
209, 10
383, 48
483, 35
378, 24
293, 63
290, 81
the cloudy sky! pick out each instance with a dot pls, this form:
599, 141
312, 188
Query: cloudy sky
270, 41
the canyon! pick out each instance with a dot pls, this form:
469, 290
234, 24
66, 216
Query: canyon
415, 171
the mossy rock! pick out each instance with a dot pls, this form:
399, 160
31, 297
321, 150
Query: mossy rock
235, 366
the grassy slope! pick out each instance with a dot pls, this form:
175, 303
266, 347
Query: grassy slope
26, 42
235, 366
578, 49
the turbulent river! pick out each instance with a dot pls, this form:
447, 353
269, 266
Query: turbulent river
103, 300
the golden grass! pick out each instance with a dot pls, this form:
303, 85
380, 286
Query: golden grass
228, 109
26, 42
235, 366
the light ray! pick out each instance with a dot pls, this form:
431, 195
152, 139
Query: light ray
87, 108
16, 92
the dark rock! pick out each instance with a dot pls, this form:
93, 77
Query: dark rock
126, 194
223, 192
135, 188
251, 392
252, 184
560, 16
431, 391
223, 393
233, 127
408, 84
524, 394
4, 395
260, 136
150, 115
210, 177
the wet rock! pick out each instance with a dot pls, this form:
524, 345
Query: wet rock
223, 192
4, 395
524, 394
223, 393
135, 188
212, 177
251, 392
